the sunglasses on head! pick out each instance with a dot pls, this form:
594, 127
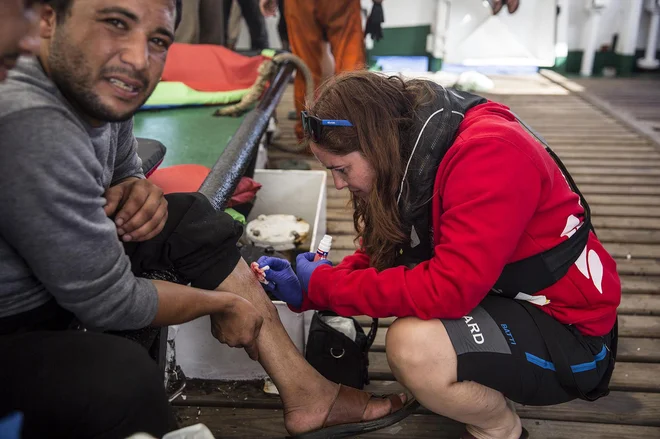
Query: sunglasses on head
313, 126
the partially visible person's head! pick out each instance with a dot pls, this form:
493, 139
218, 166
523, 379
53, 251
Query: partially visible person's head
106, 56
369, 157
18, 31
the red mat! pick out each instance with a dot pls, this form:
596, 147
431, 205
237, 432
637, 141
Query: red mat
210, 68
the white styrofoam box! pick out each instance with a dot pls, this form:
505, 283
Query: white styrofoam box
202, 356
300, 193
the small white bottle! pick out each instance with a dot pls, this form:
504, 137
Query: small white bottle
324, 248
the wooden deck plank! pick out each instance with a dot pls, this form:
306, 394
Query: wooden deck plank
638, 266
640, 284
629, 236
610, 189
640, 304
625, 200
650, 180
621, 222
632, 146
649, 162
613, 170
255, 423
575, 154
642, 251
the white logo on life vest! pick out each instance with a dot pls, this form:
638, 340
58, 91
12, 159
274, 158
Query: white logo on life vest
589, 262
474, 330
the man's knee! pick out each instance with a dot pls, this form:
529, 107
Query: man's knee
412, 344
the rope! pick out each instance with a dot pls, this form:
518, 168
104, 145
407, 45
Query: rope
266, 73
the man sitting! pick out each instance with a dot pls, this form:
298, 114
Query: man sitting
71, 190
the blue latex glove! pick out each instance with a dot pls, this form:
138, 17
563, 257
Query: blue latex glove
282, 280
305, 266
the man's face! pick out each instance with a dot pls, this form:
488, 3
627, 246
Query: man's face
106, 56
18, 26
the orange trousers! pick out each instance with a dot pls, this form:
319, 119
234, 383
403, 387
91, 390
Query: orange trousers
312, 22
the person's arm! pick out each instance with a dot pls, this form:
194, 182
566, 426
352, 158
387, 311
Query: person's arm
179, 304
52, 213
491, 192
127, 161
234, 321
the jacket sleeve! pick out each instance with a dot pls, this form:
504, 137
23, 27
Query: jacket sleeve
489, 191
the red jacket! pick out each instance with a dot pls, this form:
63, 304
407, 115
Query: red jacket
500, 198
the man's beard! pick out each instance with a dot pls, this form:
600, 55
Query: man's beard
74, 78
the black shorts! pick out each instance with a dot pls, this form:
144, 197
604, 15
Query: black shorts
500, 346
197, 243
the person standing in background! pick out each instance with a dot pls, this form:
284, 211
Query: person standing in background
253, 18
202, 22
309, 25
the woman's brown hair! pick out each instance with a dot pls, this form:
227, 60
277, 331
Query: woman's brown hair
382, 111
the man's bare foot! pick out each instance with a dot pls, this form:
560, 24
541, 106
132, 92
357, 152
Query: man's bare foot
311, 414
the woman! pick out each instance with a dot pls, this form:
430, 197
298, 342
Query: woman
470, 233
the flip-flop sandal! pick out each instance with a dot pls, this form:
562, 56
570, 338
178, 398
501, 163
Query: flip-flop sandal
515, 8
347, 410
496, 5
523, 435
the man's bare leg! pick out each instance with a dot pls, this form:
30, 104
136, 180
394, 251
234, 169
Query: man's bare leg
305, 393
429, 371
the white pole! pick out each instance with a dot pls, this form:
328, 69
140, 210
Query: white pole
632, 13
590, 40
649, 61
439, 38
561, 43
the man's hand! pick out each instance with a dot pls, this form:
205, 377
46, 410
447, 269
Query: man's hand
268, 7
238, 326
139, 209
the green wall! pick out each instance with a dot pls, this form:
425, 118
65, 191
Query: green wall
404, 41
625, 65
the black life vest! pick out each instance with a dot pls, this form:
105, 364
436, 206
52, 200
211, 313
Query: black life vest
433, 133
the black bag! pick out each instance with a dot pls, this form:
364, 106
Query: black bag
337, 357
